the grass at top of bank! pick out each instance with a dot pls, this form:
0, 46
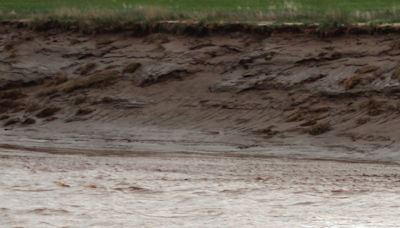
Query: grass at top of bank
303, 11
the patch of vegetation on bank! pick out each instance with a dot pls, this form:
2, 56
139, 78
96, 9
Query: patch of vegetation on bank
324, 12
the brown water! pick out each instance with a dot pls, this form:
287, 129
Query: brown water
174, 190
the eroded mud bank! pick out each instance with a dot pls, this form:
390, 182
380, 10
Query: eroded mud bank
234, 92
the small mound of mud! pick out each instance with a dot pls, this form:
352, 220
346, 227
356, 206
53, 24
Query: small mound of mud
13, 95
374, 107
48, 112
132, 68
268, 132
86, 69
319, 129
161, 73
84, 111
28, 121
92, 81
363, 76
12, 121
104, 79
4, 117
10, 105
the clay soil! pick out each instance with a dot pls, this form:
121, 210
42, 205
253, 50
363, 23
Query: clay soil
237, 89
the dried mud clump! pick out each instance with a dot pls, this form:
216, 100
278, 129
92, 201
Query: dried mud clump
80, 100
367, 69
303, 114
13, 95
32, 107
86, 69
62, 184
58, 79
9, 46
355, 80
158, 38
84, 111
312, 79
89, 82
28, 121
396, 74
320, 109
103, 42
9, 105
132, 68
47, 92
323, 56
74, 41
309, 123
110, 100
4, 117
374, 107
107, 100
320, 128
47, 112
395, 45
268, 132
297, 116
362, 121
362, 76
12, 121
102, 79
162, 76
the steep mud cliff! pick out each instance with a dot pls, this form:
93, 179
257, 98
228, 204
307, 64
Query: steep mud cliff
233, 92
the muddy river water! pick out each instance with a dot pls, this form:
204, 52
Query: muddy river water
175, 190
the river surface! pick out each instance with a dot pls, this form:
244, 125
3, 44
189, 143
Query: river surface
193, 190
